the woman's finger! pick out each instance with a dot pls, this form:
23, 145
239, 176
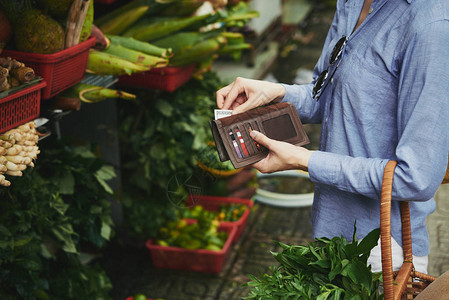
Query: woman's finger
236, 89
221, 95
247, 105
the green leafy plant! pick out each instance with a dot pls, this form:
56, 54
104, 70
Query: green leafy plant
46, 215
161, 137
323, 269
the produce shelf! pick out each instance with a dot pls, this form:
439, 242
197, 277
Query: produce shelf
213, 203
20, 107
60, 70
166, 79
200, 260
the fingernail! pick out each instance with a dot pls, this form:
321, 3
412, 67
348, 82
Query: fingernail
253, 133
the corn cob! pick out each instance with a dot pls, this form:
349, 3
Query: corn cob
198, 52
165, 28
155, 6
123, 21
233, 38
181, 41
144, 23
102, 63
234, 48
181, 8
136, 56
144, 47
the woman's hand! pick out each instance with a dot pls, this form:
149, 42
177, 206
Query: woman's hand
244, 94
282, 155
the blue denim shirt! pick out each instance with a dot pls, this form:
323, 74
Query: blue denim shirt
388, 100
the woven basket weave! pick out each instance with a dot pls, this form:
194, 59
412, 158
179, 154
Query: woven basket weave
405, 283
446, 176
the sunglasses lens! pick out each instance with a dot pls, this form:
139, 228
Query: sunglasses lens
319, 83
336, 52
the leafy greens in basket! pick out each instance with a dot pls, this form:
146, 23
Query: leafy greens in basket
323, 269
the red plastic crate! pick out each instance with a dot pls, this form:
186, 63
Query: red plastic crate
212, 203
200, 260
166, 78
20, 107
60, 70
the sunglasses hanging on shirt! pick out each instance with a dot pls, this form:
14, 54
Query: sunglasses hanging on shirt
321, 82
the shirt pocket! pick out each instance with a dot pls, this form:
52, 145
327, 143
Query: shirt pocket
370, 92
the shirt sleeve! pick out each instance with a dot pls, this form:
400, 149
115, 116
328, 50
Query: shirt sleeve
422, 125
301, 95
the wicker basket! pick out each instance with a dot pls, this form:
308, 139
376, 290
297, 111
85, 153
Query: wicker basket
405, 283
446, 176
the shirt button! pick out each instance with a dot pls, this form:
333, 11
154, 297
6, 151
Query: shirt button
332, 80
370, 10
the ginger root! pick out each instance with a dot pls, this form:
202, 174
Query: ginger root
9, 63
4, 84
23, 74
13, 73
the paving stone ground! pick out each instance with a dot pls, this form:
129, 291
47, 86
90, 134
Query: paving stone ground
131, 270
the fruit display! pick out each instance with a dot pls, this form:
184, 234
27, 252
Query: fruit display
202, 234
227, 212
13, 73
145, 34
18, 150
47, 26
38, 33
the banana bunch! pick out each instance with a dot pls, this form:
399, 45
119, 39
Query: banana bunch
125, 56
18, 149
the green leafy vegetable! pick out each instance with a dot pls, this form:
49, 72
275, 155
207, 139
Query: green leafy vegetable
323, 269
162, 135
48, 219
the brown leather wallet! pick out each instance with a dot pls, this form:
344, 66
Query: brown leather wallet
278, 121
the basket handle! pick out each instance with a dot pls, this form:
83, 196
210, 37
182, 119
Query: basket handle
385, 233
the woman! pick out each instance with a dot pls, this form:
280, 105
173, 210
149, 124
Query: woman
381, 92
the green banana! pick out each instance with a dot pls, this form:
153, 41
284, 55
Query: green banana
136, 56
122, 22
102, 63
155, 6
198, 52
164, 28
92, 94
144, 47
182, 41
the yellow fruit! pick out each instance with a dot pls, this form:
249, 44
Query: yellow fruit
139, 297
